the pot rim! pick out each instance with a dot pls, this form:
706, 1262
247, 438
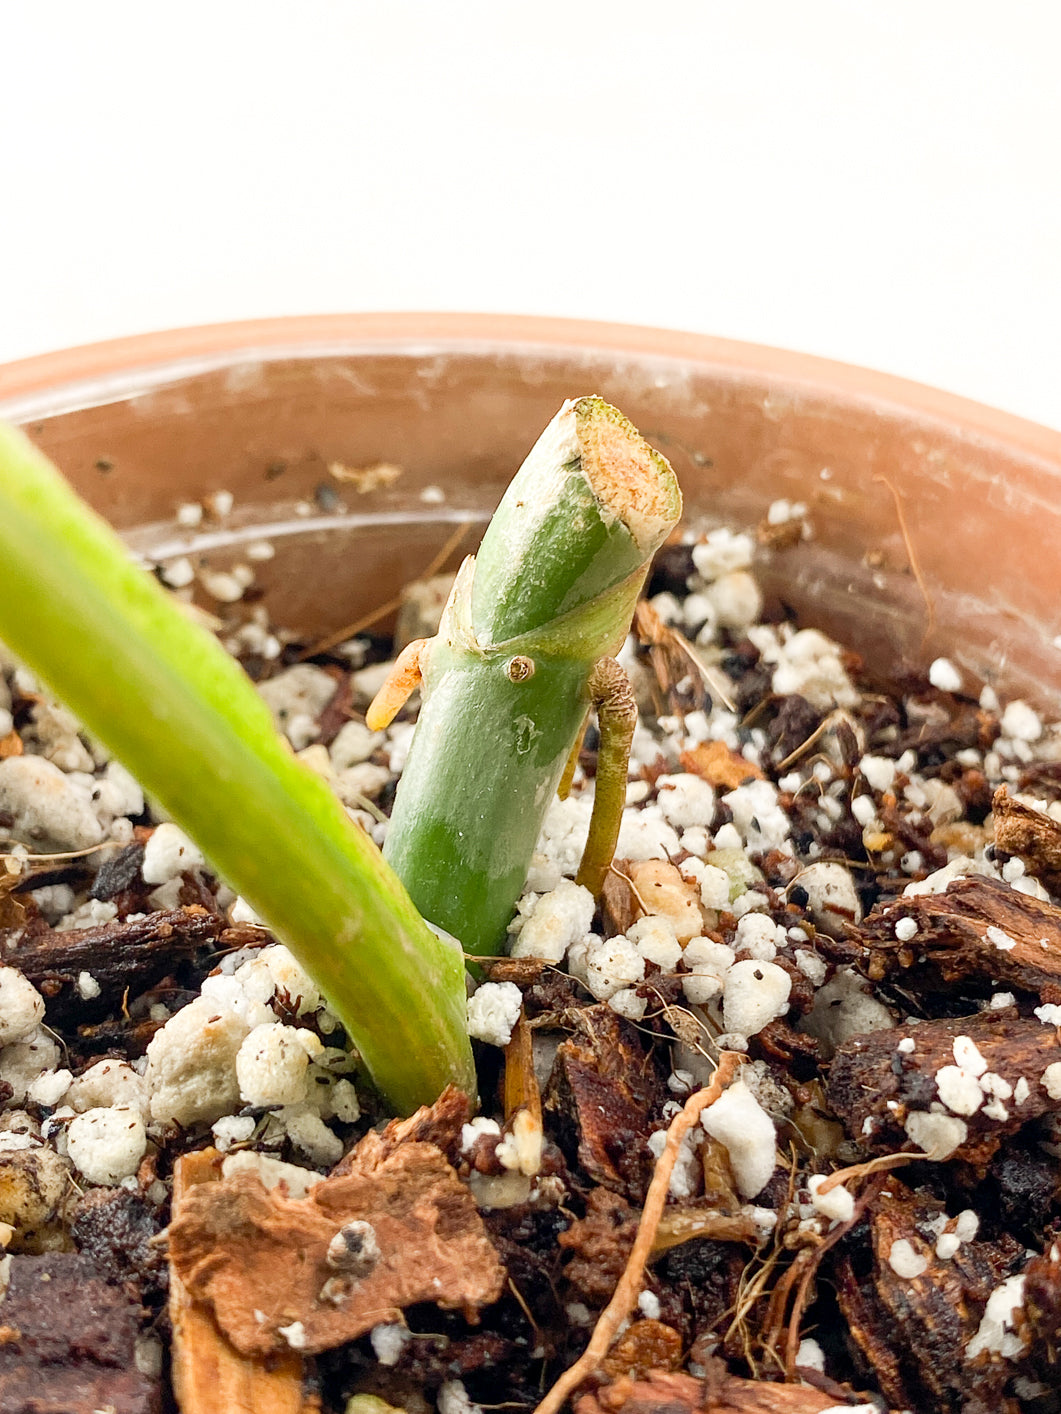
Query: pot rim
114, 369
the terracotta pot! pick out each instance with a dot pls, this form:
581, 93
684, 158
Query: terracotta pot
916, 497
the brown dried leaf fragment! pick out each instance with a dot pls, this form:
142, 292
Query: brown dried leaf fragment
439, 1124
979, 928
265, 1263
718, 1393
1038, 1320
1030, 834
715, 763
873, 1086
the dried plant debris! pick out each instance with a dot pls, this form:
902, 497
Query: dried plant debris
1030, 834
605, 1093
309, 1273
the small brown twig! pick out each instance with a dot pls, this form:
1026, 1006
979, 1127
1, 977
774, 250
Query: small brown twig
626, 1292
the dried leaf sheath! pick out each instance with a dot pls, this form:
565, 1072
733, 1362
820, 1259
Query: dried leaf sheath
506, 682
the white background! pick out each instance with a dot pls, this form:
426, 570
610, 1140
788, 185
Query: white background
878, 181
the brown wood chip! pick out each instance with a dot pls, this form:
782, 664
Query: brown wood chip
871, 1080
209, 1376
120, 956
605, 1091
979, 929
1030, 834
274, 1269
913, 1330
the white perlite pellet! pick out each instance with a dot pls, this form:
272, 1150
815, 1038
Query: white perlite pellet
995, 1333
832, 899
742, 1126
1051, 1080
754, 994
21, 1006
904, 1261
838, 1204
106, 1145
558, 919
168, 854
272, 1064
493, 1011
47, 810
937, 1135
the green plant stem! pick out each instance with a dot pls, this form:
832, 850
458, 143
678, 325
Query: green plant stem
166, 699
507, 682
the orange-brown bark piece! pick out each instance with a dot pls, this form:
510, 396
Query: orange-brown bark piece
665, 1392
1031, 834
260, 1260
209, 1376
953, 941
913, 1330
870, 1080
715, 763
643, 1347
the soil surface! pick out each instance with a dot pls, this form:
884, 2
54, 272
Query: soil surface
853, 892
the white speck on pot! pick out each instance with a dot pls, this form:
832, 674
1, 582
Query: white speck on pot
106, 1145
493, 1010
944, 675
178, 573
189, 514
